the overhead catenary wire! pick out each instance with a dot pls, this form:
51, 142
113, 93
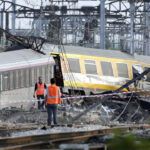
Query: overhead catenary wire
134, 113
59, 41
63, 52
72, 80
73, 83
37, 22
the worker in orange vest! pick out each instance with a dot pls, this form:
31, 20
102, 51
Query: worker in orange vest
52, 99
40, 90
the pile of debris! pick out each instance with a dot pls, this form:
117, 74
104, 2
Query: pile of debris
107, 112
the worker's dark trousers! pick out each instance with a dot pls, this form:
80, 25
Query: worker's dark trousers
52, 109
40, 103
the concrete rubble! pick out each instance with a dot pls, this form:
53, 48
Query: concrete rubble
106, 114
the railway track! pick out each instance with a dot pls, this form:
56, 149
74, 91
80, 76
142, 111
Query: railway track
53, 140
6, 131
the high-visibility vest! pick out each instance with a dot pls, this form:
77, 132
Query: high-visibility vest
40, 89
53, 95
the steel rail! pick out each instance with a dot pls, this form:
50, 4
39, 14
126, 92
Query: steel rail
53, 143
7, 131
48, 140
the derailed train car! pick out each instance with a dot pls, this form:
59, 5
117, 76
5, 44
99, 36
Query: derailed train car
19, 70
88, 70
78, 70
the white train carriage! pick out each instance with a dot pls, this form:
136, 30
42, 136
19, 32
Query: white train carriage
19, 71
77, 70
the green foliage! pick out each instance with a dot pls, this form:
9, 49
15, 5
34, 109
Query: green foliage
123, 141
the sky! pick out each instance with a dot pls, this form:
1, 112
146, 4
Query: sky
37, 3
26, 23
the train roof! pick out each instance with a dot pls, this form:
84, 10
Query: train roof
103, 53
28, 58
97, 52
23, 58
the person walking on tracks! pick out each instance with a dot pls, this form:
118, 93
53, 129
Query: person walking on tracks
52, 98
40, 90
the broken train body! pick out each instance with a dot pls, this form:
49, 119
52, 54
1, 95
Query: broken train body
78, 70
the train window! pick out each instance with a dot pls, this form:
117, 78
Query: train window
0, 82
17, 79
136, 70
26, 71
14, 79
148, 75
25, 78
40, 70
122, 70
5, 81
74, 65
38, 73
46, 74
22, 78
11, 80
43, 73
107, 69
35, 75
90, 67
50, 70
32, 77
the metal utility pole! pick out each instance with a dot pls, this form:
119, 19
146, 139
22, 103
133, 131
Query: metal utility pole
13, 17
2, 26
121, 40
102, 23
147, 32
7, 21
38, 22
132, 11
1, 19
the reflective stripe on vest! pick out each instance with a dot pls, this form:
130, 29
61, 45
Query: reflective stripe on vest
53, 99
40, 89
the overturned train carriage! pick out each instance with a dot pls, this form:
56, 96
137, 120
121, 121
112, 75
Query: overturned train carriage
19, 70
78, 70
88, 70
